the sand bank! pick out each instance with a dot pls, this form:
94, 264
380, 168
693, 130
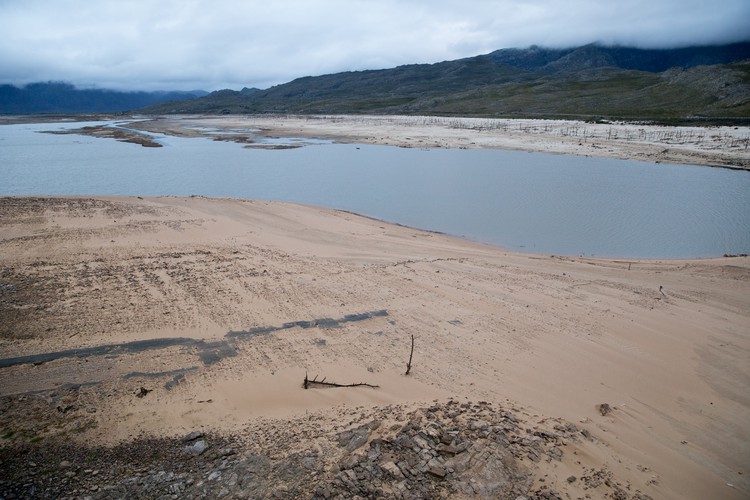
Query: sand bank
256, 294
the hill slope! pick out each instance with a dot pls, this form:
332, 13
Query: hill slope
582, 81
57, 97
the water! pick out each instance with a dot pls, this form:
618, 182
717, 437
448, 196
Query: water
533, 202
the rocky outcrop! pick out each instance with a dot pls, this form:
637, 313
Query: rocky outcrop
448, 450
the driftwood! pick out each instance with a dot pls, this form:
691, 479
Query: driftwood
315, 382
408, 365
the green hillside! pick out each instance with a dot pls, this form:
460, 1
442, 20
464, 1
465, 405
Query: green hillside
589, 81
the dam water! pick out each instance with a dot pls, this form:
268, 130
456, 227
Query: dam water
534, 202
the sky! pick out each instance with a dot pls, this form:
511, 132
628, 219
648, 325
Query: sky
216, 44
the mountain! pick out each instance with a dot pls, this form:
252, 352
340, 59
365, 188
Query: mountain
58, 97
588, 81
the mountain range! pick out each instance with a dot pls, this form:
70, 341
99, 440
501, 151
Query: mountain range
61, 97
587, 81
590, 81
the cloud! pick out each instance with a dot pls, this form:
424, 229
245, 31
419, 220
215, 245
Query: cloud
211, 44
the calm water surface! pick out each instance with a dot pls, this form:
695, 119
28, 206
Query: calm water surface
535, 202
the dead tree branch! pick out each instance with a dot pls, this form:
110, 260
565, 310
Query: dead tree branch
308, 384
408, 365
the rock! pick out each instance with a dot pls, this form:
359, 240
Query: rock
403, 467
422, 442
65, 464
280, 492
404, 441
479, 425
437, 469
392, 469
568, 427
604, 409
373, 454
555, 453
572, 479
176, 488
359, 438
546, 435
434, 430
531, 441
350, 475
349, 462
192, 436
459, 463
452, 449
196, 448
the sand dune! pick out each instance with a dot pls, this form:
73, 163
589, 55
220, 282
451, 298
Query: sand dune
664, 343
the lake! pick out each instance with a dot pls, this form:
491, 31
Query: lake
533, 202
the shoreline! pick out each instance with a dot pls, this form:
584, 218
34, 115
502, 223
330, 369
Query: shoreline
545, 340
711, 146
496, 246
726, 147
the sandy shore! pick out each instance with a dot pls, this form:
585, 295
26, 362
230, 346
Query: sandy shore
246, 297
714, 146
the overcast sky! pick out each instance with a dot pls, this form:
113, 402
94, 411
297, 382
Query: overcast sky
214, 44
